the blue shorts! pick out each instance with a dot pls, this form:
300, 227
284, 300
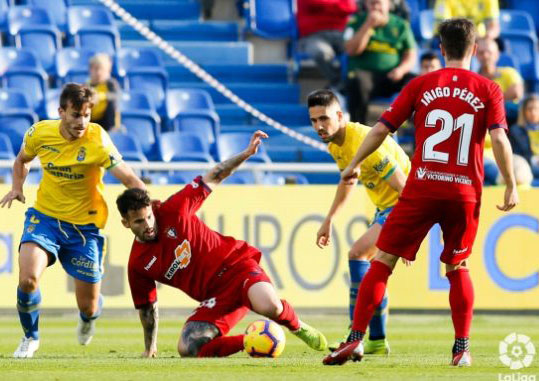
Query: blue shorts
380, 216
79, 247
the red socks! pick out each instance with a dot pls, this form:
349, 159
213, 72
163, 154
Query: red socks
222, 346
461, 297
288, 317
371, 292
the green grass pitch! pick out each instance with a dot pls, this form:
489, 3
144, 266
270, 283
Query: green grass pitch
420, 350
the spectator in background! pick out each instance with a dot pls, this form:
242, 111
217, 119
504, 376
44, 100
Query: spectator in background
483, 13
397, 7
382, 53
524, 135
105, 112
429, 62
507, 78
321, 24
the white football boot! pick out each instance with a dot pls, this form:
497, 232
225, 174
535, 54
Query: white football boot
26, 348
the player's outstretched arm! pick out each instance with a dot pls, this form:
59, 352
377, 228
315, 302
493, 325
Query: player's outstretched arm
224, 169
372, 141
125, 174
323, 236
21, 167
149, 317
504, 158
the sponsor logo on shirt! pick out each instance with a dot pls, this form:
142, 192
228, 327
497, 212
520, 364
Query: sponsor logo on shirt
194, 184
182, 260
370, 185
208, 303
460, 251
425, 174
150, 264
379, 167
171, 233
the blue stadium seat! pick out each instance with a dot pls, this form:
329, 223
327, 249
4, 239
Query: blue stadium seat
287, 114
179, 100
203, 123
15, 126
145, 127
44, 42
524, 47
183, 146
57, 8
128, 146
13, 99
530, 6
52, 102
72, 64
109, 178
157, 178
4, 7
93, 27
6, 148
144, 71
135, 100
34, 176
21, 17
255, 92
231, 144
515, 20
273, 19
88, 17
262, 73
426, 25
241, 178
22, 70
183, 177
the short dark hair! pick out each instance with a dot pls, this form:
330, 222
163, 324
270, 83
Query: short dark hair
429, 56
132, 199
322, 97
457, 37
77, 94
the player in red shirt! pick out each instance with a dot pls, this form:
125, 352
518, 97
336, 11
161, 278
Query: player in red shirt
453, 108
174, 247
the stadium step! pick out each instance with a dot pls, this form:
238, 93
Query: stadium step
190, 30
259, 73
287, 114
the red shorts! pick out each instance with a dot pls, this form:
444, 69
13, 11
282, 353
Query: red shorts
410, 221
229, 302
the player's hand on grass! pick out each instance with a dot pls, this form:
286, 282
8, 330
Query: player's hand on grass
255, 142
510, 199
323, 237
11, 196
150, 353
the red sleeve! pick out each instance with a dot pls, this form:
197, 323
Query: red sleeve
190, 198
496, 109
401, 108
143, 289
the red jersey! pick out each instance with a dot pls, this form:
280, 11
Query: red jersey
186, 254
320, 15
453, 109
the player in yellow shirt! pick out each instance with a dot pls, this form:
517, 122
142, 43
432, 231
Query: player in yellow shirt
70, 209
483, 13
383, 174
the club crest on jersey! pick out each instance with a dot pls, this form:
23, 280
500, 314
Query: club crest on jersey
182, 260
171, 233
82, 154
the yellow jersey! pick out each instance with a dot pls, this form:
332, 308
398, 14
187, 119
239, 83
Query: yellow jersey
506, 77
477, 11
72, 184
376, 168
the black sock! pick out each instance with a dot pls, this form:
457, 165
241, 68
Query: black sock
355, 336
461, 344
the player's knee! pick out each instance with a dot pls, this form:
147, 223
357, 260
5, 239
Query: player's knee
360, 253
90, 309
191, 347
28, 283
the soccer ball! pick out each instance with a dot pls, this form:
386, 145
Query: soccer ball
264, 338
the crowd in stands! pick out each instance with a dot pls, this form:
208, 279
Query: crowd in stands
381, 53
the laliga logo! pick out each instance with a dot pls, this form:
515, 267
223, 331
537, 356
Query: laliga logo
516, 351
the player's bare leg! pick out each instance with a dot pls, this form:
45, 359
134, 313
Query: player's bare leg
264, 301
32, 262
371, 293
89, 301
461, 298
